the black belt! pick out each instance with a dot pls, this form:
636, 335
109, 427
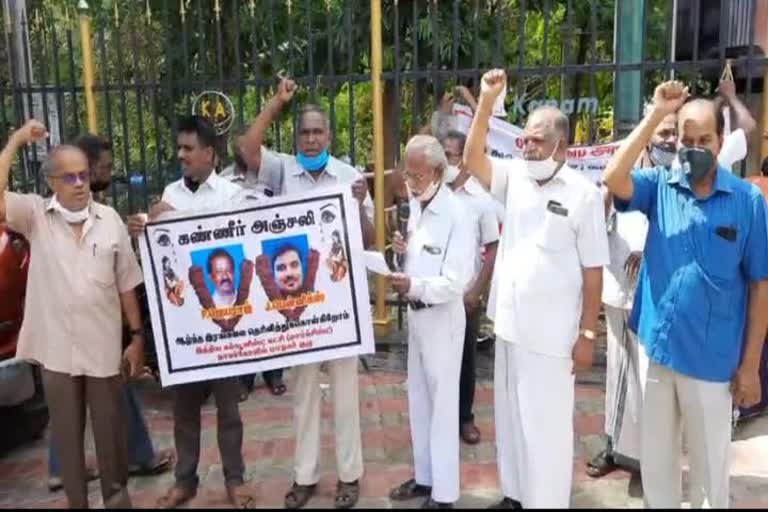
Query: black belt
417, 305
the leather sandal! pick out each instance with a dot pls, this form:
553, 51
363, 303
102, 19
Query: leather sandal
175, 497
299, 495
410, 490
240, 497
601, 464
347, 494
160, 464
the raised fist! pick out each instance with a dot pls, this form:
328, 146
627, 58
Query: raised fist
493, 83
285, 90
32, 131
669, 96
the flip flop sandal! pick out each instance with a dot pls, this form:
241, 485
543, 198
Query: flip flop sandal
240, 498
159, 465
347, 494
175, 497
601, 465
299, 495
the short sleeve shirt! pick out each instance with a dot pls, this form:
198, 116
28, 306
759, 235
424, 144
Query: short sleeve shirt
482, 208
73, 315
700, 256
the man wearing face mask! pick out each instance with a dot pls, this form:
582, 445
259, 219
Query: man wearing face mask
481, 207
701, 299
439, 244
547, 299
313, 168
82, 274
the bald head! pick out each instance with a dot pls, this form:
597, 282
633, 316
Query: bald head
68, 175
702, 110
546, 133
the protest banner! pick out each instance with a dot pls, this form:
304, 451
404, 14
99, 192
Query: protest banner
505, 140
271, 284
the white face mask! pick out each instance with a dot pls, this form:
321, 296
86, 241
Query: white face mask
428, 193
541, 170
450, 174
70, 216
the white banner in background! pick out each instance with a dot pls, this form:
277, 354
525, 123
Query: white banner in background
505, 140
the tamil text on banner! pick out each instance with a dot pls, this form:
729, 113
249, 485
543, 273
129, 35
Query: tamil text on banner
505, 140
269, 284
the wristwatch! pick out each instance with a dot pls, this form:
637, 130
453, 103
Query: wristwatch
588, 334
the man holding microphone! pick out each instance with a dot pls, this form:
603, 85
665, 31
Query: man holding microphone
438, 255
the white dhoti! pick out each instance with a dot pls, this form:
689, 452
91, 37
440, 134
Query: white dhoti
626, 368
435, 347
534, 400
674, 402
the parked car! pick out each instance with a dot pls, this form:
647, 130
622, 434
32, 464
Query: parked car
22, 403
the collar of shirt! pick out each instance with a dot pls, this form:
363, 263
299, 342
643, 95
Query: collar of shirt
212, 183
95, 214
471, 187
440, 201
679, 177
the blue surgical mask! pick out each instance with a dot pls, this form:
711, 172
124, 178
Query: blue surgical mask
313, 163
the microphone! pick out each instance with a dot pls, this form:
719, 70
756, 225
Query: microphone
403, 213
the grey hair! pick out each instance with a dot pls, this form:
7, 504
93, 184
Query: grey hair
432, 149
559, 121
47, 167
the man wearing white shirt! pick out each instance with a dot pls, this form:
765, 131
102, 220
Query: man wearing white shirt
198, 190
439, 243
311, 169
548, 299
482, 208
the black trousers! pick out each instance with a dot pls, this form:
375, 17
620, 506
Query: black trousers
468, 367
188, 399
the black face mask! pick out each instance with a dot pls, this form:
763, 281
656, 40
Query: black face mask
696, 162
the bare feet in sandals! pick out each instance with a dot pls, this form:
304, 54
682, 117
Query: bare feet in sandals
175, 497
240, 496
160, 464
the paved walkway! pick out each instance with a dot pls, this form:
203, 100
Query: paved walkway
386, 440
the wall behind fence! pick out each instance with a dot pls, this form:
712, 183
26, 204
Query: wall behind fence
152, 57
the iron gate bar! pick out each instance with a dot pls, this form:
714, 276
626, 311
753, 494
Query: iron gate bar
30, 100
238, 66
124, 114
696, 31
310, 50
60, 101
643, 56
416, 100
350, 88
593, 131
173, 121
187, 62
73, 87
397, 90
138, 90
219, 49
277, 64
617, 74
436, 82
44, 79
255, 57
333, 89
203, 48
107, 105
499, 54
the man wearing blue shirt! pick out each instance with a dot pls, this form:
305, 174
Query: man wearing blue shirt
701, 307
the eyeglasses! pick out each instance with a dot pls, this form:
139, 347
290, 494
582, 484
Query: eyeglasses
74, 178
409, 176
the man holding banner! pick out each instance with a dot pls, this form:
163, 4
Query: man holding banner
552, 253
311, 169
201, 189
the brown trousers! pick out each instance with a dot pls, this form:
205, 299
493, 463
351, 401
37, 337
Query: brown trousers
67, 397
188, 400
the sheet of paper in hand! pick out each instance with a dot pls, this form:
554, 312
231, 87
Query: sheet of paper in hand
273, 284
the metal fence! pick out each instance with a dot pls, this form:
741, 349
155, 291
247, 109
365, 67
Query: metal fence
152, 57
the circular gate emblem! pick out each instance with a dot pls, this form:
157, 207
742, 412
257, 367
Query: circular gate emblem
216, 108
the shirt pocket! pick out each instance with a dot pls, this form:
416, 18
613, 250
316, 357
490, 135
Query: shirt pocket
556, 233
101, 268
722, 256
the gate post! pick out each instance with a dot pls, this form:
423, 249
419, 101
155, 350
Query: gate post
85, 44
381, 316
